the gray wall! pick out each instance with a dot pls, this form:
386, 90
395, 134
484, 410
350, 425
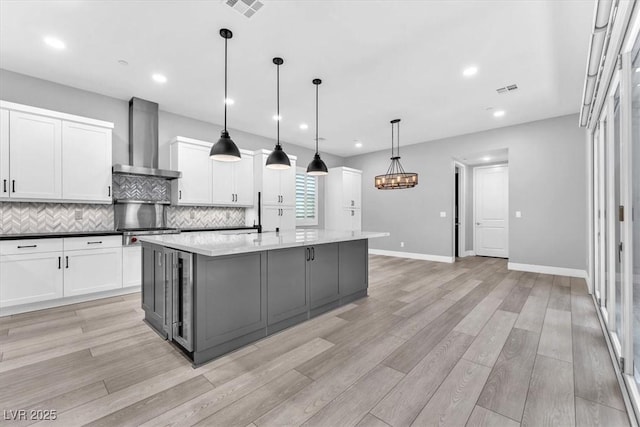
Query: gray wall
23, 89
547, 182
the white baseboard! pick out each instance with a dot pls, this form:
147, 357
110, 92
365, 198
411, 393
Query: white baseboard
559, 271
412, 255
24, 308
470, 253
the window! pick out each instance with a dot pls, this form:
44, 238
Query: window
306, 198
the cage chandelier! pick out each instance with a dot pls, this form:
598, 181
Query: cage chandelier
396, 178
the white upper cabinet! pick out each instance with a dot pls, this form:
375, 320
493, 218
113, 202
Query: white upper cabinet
191, 157
50, 156
352, 188
35, 156
278, 187
207, 182
233, 181
343, 199
86, 162
280, 218
244, 180
4, 154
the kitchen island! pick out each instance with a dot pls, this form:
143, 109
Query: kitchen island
213, 292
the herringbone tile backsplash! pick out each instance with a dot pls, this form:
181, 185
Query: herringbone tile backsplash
16, 218
204, 216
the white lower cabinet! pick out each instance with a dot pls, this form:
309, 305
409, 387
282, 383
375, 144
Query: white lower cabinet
92, 270
30, 278
131, 266
37, 270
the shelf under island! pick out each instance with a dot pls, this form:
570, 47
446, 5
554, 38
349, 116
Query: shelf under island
213, 292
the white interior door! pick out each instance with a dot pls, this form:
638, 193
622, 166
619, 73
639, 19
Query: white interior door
491, 211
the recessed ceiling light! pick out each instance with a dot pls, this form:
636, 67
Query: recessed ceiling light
159, 78
304, 126
470, 71
638, 70
276, 117
358, 144
486, 158
54, 43
498, 113
122, 62
229, 101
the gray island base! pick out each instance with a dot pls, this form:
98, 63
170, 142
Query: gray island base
211, 293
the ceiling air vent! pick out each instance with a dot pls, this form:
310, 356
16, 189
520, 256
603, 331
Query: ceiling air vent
507, 89
246, 7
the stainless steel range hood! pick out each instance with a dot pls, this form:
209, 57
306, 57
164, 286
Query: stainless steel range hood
143, 142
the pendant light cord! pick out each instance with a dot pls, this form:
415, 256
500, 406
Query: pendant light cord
278, 100
316, 119
398, 139
225, 84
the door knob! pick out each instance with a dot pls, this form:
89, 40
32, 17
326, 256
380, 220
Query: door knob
477, 223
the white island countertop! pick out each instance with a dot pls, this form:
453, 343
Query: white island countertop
218, 243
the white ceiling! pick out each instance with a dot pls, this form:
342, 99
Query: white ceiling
379, 60
485, 157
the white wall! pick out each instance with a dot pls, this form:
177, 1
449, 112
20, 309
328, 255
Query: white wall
547, 183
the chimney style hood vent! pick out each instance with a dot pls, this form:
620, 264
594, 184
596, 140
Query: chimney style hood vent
143, 142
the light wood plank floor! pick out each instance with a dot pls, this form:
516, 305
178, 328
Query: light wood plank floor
469, 343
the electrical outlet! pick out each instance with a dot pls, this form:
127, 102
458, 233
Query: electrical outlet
518, 214
192, 215
402, 244
228, 214
78, 214
443, 214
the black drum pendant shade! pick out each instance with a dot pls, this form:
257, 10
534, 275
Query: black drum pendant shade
396, 178
225, 150
278, 159
317, 167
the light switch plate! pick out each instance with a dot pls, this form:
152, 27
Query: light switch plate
443, 214
518, 214
78, 214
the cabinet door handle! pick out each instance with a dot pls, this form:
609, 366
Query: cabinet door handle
27, 246
313, 253
66, 262
352, 203
59, 262
352, 212
4, 185
13, 185
97, 242
179, 194
308, 254
109, 191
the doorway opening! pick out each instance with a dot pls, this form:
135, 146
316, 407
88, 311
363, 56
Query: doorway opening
480, 204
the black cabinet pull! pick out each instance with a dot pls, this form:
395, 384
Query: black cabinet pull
59, 262
66, 261
94, 243
179, 194
109, 191
27, 246
4, 185
313, 253
308, 254
13, 185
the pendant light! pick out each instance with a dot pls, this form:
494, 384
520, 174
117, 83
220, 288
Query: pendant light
225, 150
278, 159
396, 178
317, 167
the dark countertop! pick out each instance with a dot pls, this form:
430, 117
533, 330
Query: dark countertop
54, 235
